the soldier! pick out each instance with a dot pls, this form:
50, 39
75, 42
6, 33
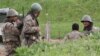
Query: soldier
88, 25
75, 34
11, 33
30, 33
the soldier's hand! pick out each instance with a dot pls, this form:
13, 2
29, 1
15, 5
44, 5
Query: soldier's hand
37, 29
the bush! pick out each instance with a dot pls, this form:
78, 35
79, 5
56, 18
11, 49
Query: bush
87, 46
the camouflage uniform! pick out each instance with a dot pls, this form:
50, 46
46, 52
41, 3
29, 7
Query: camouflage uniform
11, 34
29, 34
93, 30
73, 35
10, 37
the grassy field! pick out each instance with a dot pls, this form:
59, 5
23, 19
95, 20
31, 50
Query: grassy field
61, 14
81, 47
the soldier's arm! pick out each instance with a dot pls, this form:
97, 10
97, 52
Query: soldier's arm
10, 27
66, 37
82, 35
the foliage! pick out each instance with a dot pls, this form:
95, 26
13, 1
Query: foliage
87, 46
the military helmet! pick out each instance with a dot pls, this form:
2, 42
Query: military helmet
86, 18
12, 12
36, 7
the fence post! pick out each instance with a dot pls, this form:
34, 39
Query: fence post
47, 30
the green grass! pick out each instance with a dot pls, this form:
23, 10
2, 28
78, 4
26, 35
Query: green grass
61, 13
81, 47
86, 46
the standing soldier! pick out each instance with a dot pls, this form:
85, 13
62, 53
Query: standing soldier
88, 25
75, 34
11, 33
30, 32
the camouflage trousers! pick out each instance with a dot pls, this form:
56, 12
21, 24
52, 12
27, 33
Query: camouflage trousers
30, 40
11, 46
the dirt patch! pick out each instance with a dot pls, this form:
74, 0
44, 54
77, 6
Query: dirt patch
2, 50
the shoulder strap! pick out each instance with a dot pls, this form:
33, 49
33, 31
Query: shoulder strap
35, 19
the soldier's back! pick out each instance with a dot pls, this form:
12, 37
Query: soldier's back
10, 32
74, 35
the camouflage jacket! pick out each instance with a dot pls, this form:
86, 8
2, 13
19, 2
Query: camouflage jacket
29, 26
94, 30
10, 32
73, 35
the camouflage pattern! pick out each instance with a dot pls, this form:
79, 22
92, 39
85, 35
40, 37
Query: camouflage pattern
94, 30
11, 46
73, 35
10, 37
29, 34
